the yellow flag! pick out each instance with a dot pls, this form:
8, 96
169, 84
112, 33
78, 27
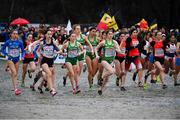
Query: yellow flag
107, 22
113, 24
106, 18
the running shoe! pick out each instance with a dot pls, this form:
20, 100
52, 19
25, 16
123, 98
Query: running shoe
134, 76
176, 84
123, 89
74, 91
77, 90
46, 89
145, 86
84, 68
164, 86
117, 81
158, 79
40, 90
53, 93
29, 74
32, 88
17, 92
146, 76
22, 84
64, 81
100, 82
91, 83
153, 81
170, 73
140, 84
100, 92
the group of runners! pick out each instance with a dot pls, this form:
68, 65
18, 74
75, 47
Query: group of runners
153, 53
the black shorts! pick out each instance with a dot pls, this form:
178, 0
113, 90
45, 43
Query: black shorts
27, 60
133, 59
161, 60
120, 59
48, 61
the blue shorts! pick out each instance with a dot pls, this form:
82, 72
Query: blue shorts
14, 60
151, 58
177, 62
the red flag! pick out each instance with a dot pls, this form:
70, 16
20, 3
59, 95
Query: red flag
104, 21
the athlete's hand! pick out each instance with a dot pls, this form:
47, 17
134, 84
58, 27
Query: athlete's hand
92, 52
64, 54
97, 57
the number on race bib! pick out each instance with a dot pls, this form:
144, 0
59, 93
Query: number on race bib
72, 53
109, 52
14, 52
159, 52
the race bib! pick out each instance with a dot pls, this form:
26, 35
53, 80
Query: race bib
88, 48
109, 52
146, 46
72, 53
48, 51
27, 51
135, 43
172, 49
123, 50
14, 53
159, 52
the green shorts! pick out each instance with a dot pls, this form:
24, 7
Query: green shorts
108, 60
73, 61
81, 57
90, 55
99, 60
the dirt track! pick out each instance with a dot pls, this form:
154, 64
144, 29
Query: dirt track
135, 103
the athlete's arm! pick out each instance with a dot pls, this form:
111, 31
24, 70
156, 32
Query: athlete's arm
4, 48
62, 48
98, 47
178, 48
37, 42
39, 50
81, 48
89, 44
22, 49
117, 48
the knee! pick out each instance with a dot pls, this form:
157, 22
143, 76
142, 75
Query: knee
123, 73
33, 69
71, 73
90, 72
49, 74
162, 69
111, 71
14, 73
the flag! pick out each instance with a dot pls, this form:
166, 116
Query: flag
104, 21
68, 27
153, 25
143, 24
107, 22
113, 24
